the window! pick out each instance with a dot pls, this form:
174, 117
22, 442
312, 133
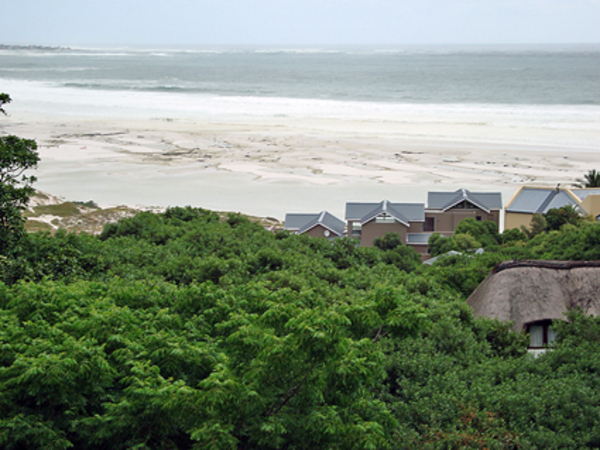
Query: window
541, 334
429, 224
464, 205
478, 218
384, 218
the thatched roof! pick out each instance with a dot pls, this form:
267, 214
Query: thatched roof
528, 291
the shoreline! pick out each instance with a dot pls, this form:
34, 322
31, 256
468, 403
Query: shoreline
269, 165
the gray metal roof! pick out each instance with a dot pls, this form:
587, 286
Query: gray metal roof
414, 212
437, 200
326, 220
559, 200
446, 200
530, 200
583, 193
357, 210
384, 208
492, 200
403, 212
295, 221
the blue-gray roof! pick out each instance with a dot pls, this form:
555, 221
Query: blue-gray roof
304, 222
328, 221
295, 221
446, 200
356, 211
583, 193
403, 212
539, 200
559, 200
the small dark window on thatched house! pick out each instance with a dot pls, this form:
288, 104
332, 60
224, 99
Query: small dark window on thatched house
540, 334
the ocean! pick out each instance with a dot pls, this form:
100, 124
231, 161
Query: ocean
489, 75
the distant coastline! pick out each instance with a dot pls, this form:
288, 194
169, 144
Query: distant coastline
33, 47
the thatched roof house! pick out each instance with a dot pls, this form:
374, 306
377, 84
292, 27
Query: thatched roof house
526, 292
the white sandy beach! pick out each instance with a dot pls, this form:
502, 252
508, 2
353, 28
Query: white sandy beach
270, 156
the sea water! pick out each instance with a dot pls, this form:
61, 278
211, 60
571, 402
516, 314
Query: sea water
510, 75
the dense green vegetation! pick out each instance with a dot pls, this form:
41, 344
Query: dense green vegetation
184, 330
190, 330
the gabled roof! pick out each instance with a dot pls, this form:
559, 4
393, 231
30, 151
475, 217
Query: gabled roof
304, 222
485, 201
295, 221
328, 221
385, 208
402, 212
530, 200
357, 210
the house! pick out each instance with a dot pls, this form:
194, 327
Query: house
533, 293
413, 222
445, 210
321, 224
529, 200
589, 201
368, 221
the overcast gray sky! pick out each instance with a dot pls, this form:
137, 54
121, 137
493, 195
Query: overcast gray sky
301, 22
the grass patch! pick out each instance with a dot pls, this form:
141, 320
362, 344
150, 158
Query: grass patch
33, 226
66, 209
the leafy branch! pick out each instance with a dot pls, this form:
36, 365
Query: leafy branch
292, 392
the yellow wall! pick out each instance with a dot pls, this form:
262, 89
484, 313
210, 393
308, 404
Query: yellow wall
592, 205
516, 220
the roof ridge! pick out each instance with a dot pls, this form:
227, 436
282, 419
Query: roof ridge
551, 195
543, 264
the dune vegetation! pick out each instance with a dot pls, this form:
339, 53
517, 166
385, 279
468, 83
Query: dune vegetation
188, 330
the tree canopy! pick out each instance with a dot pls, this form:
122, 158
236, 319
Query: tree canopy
183, 330
16, 157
